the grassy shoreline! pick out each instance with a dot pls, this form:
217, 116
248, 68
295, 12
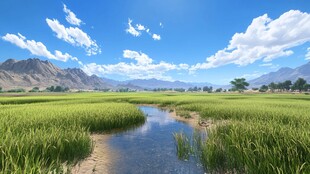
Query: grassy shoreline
266, 133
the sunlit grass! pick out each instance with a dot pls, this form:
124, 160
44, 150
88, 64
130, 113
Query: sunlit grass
41, 137
183, 145
257, 133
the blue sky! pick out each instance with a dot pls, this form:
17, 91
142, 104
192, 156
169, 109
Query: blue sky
194, 41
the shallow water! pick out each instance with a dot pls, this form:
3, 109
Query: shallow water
150, 148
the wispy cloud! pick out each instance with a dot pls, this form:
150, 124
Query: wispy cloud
264, 39
36, 48
266, 64
308, 54
270, 65
74, 36
251, 75
132, 30
161, 25
143, 67
139, 29
71, 17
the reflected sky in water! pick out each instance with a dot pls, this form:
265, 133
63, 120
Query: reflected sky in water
150, 148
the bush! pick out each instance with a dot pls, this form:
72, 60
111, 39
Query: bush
57, 89
16, 90
35, 89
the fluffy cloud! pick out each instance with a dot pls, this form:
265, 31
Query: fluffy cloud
308, 54
140, 27
74, 36
71, 17
36, 48
183, 66
251, 76
141, 58
142, 68
265, 39
138, 30
156, 37
131, 30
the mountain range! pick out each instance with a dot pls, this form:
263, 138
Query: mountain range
283, 74
34, 72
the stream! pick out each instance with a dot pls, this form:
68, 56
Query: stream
150, 148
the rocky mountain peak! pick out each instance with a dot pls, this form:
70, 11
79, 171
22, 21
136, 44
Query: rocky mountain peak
35, 72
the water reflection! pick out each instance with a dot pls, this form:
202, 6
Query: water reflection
150, 148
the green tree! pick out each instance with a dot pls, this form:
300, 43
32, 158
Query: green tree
0, 89
239, 84
263, 88
287, 85
51, 89
58, 89
280, 86
272, 86
207, 89
35, 89
306, 87
179, 89
255, 89
219, 90
300, 84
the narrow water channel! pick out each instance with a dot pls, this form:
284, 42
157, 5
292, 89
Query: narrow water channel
150, 148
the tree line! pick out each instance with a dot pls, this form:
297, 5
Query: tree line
240, 84
37, 89
299, 85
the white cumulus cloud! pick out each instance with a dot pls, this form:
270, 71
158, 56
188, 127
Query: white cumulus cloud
36, 48
74, 36
265, 39
71, 17
143, 67
141, 58
156, 37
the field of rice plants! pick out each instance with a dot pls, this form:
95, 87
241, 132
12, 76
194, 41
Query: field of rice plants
252, 133
40, 134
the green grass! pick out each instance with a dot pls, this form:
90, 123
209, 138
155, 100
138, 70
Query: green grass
183, 145
254, 133
41, 137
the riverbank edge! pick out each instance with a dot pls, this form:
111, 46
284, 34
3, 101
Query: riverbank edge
102, 157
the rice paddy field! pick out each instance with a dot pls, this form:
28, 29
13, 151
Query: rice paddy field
251, 133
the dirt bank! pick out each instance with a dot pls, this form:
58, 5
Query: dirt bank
101, 159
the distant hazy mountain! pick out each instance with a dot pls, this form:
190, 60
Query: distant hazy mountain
154, 83
113, 82
35, 72
200, 84
283, 74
